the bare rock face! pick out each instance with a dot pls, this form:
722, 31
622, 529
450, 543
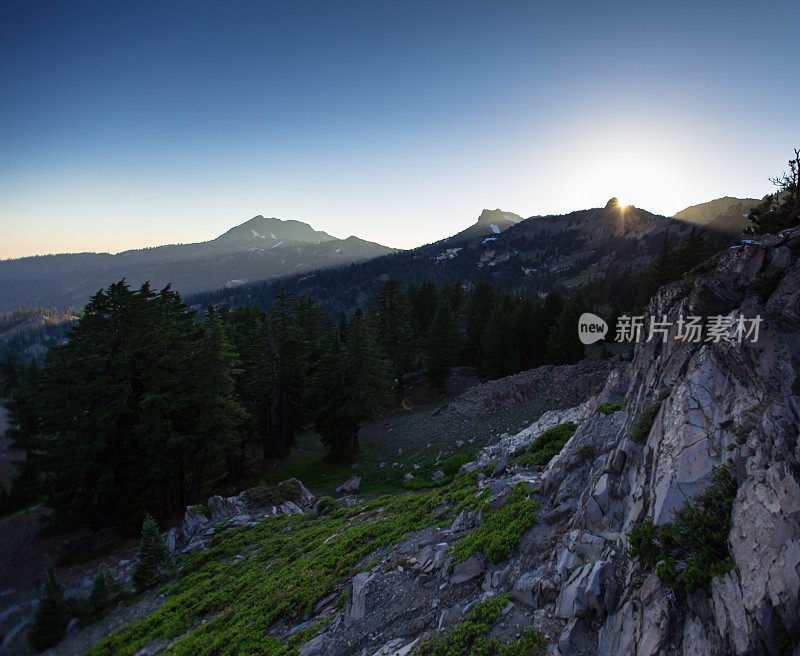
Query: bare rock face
723, 400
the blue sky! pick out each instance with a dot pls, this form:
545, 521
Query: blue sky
127, 124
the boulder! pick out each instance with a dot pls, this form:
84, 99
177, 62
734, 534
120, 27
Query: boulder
350, 485
313, 647
358, 596
194, 524
468, 569
222, 508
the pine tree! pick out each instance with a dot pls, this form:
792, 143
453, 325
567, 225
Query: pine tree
286, 376
11, 373
482, 300
444, 344
353, 384
564, 346
780, 210
392, 315
498, 349
122, 415
424, 300
663, 270
693, 250
524, 334
106, 589
153, 561
546, 317
50, 622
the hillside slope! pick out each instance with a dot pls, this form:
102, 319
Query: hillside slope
727, 214
549, 541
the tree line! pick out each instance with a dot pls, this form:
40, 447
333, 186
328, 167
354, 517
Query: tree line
147, 403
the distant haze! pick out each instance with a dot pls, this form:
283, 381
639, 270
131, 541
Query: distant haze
130, 124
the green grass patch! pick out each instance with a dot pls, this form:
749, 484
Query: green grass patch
501, 530
471, 637
610, 408
227, 597
693, 549
547, 445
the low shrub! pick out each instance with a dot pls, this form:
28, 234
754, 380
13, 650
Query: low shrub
693, 549
501, 530
547, 445
766, 283
222, 605
610, 408
471, 637
273, 495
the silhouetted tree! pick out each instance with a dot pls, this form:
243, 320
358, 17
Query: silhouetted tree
444, 344
780, 210
392, 316
564, 346
352, 385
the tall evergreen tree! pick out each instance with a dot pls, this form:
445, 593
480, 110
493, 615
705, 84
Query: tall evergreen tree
546, 317
393, 320
423, 299
499, 354
353, 384
663, 270
693, 250
564, 345
115, 418
524, 334
11, 373
287, 388
481, 302
444, 344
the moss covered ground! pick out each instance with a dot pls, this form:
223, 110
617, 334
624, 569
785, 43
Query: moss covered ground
227, 598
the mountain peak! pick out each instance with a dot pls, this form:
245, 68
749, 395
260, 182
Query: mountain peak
488, 223
612, 203
271, 229
498, 217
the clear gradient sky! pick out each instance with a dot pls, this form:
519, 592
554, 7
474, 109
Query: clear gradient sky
129, 124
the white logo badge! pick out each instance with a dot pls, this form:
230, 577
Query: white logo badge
591, 328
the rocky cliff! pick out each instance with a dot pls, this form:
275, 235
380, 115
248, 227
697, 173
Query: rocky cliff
573, 577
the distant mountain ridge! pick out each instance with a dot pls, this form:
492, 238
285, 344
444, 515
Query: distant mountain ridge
725, 214
258, 249
533, 255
